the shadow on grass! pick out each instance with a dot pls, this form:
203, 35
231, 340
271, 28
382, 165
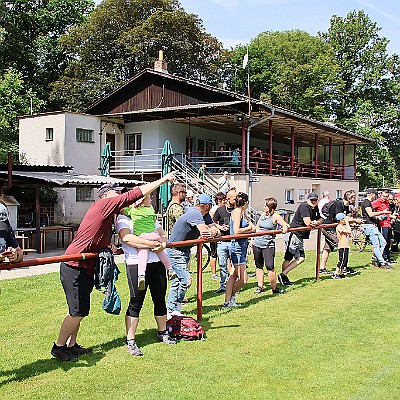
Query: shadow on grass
49, 364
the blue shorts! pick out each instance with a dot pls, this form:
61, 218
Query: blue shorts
238, 252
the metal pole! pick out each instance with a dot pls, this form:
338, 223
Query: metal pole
199, 281
317, 264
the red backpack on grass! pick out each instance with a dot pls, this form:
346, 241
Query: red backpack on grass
185, 328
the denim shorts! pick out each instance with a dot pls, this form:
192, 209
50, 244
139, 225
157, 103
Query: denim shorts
238, 252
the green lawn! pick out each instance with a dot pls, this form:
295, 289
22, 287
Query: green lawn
321, 340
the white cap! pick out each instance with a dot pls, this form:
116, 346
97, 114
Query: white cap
189, 193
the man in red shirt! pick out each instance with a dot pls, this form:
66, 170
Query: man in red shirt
77, 277
382, 204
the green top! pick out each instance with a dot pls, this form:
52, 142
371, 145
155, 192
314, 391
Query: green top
143, 219
200, 174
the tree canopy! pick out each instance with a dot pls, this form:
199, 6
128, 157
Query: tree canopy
121, 38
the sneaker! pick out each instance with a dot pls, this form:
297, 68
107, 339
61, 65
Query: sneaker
259, 290
78, 350
278, 291
171, 274
165, 338
133, 348
324, 271
62, 353
350, 271
233, 302
141, 282
215, 277
227, 304
220, 290
284, 280
384, 265
390, 261
338, 277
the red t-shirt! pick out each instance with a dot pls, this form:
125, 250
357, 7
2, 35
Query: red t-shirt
381, 205
95, 230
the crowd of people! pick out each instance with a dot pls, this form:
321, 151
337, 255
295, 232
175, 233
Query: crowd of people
149, 262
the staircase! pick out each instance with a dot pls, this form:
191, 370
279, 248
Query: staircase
186, 173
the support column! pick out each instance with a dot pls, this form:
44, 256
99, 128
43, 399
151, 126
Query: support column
188, 142
330, 158
316, 154
344, 160
38, 237
355, 162
243, 158
270, 147
292, 150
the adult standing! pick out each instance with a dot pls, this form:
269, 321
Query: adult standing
175, 208
370, 228
201, 177
155, 279
77, 277
189, 201
189, 226
325, 199
238, 224
264, 246
222, 218
306, 215
382, 203
9, 246
224, 183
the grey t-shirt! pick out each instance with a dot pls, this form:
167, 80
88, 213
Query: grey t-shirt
265, 224
185, 227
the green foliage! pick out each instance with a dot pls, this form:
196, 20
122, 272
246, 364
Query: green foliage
15, 100
121, 38
291, 69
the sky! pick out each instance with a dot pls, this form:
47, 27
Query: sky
239, 21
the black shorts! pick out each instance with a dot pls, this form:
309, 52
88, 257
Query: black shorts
77, 286
331, 240
213, 248
263, 257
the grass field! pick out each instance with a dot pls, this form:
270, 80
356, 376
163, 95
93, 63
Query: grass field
321, 340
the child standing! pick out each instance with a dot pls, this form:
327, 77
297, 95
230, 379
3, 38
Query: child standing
143, 221
343, 232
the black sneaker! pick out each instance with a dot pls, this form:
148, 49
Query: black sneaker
324, 271
78, 350
220, 290
384, 265
350, 271
284, 280
278, 291
390, 261
338, 277
259, 290
165, 338
62, 353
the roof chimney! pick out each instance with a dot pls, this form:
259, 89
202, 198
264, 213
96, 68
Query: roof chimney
160, 65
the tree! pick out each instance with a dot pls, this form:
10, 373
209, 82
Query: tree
29, 38
291, 69
368, 100
15, 100
121, 38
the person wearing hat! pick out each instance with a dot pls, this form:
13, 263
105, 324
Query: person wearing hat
224, 183
306, 215
196, 221
370, 228
77, 277
343, 232
189, 200
9, 247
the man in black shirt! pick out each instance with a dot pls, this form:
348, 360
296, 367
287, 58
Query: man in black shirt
371, 230
221, 218
307, 214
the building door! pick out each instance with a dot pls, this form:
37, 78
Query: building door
110, 140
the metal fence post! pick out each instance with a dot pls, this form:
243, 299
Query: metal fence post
199, 281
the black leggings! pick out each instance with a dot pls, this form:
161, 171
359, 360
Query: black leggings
264, 257
156, 280
343, 258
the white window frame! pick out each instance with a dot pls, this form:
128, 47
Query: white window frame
84, 194
338, 193
302, 195
289, 196
134, 147
84, 135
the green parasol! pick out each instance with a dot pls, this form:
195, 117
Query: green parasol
167, 155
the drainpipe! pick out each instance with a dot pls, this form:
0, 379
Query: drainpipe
8, 186
252, 125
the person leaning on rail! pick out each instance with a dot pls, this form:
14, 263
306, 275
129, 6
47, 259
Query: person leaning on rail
306, 215
77, 277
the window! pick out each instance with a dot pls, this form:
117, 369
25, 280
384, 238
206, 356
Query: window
133, 144
84, 135
303, 193
338, 194
84, 193
49, 134
289, 196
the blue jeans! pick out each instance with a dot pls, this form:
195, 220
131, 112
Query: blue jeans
377, 240
223, 256
179, 286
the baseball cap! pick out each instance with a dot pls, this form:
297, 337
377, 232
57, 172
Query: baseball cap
204, 198
189, 193
312, 196
340, 216
4, 223
107, 187
371, 191
226, 173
